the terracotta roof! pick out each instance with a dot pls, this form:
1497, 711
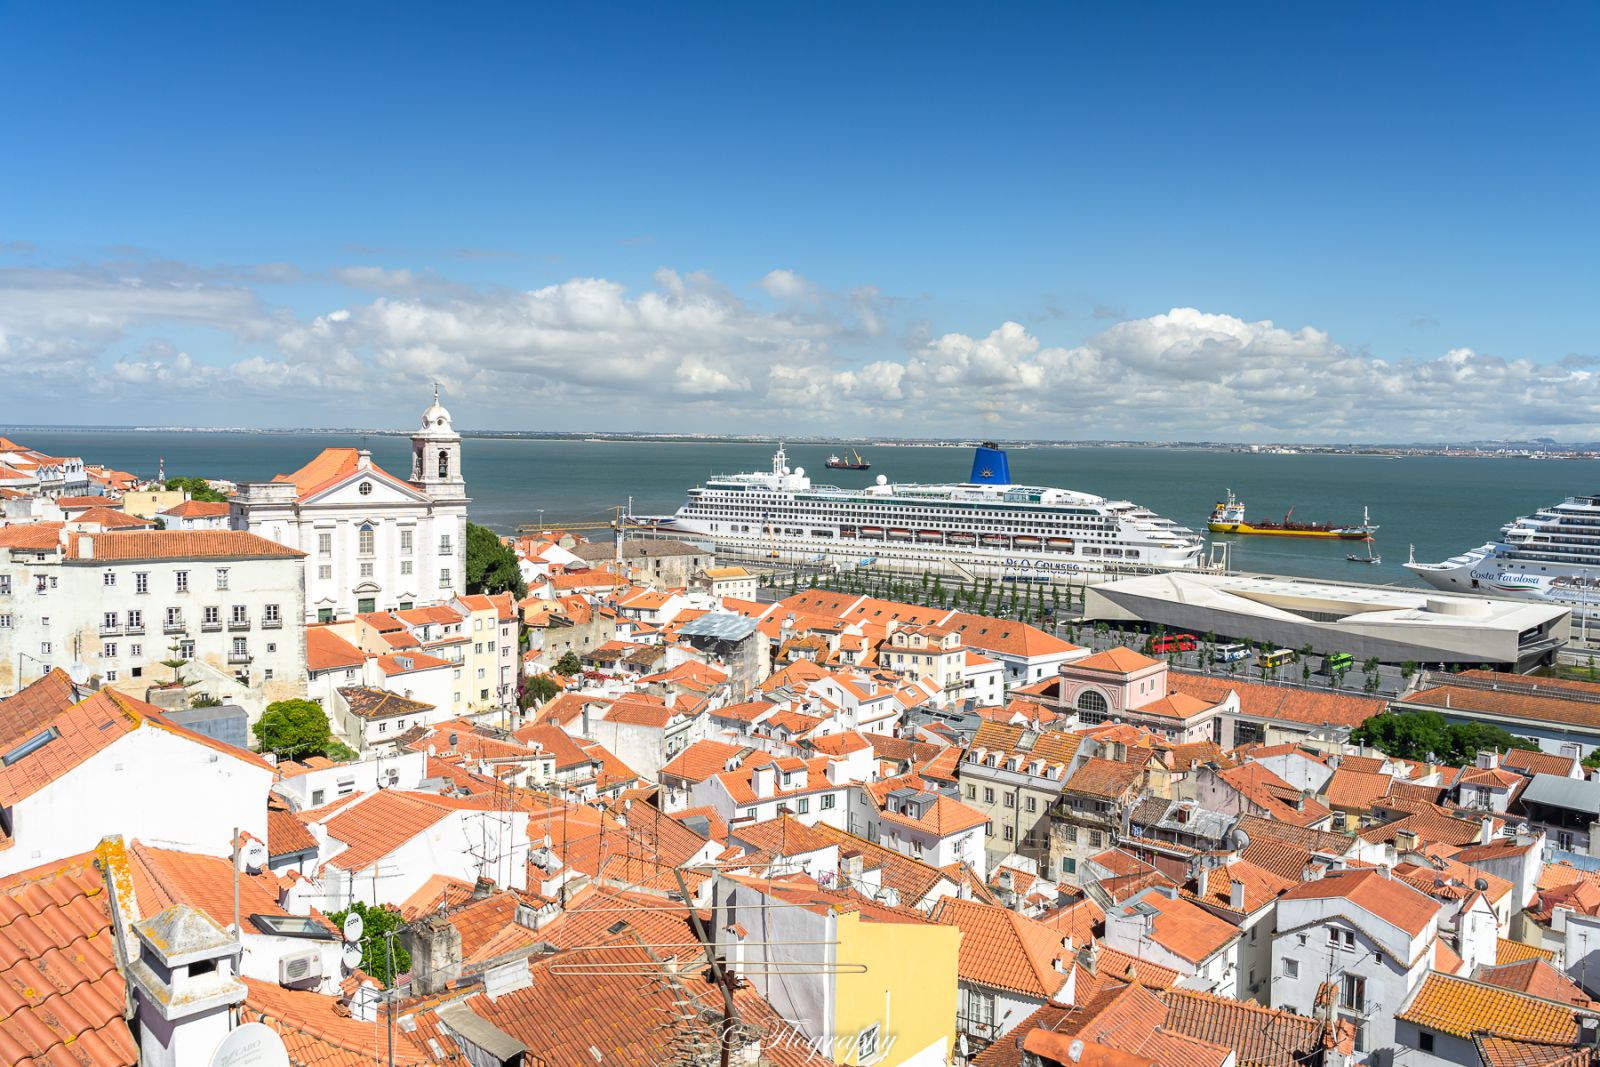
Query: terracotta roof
912, 879
332, 465
1527, 761
318, 1031
1356, 790
366, 703
33, 535
1276, 797
179, 544
1104, 778
1005, 637
381, 823
1512, 704
1461, 1007
439, 891
1262, 1036
1184, 929
199, 509
61, 995
1535, 977
1501, 1052
1508, 951
1117, 660
633, 710
287, 834
552, 739
1115, 964
1259, 700
327, 651
782, 837
31, 709
112, 519
163, 877
1373, 891
1004, 950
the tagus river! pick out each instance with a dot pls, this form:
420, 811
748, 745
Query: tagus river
1440, 505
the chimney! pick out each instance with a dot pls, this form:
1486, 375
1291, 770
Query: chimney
1385, 872
85, 547
764, 781
1486, 830
363, 460
1300, 804
482, 888
1405, 841
1488, 760
435, 947
184, 978
1236, 895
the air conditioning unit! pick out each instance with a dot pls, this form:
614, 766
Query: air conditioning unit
300, 967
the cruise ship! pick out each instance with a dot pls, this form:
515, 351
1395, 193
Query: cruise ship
987, 526
1551, 555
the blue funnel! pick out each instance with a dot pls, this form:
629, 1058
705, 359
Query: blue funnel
989, 466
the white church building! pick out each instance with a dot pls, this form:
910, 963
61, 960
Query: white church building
373, 542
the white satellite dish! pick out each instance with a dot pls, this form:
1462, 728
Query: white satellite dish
353, 927
352, 957
251, 1045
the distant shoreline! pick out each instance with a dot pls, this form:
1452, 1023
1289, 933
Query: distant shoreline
1464, 450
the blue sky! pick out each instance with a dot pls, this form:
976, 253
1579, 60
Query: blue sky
1294, 223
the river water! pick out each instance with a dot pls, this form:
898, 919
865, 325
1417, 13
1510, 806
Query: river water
1441, 505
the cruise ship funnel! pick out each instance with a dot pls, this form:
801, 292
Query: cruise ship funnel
989, 465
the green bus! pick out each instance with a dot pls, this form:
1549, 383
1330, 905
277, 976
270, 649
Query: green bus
1338, 663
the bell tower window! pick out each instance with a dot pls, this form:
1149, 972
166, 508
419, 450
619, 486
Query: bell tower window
444, 463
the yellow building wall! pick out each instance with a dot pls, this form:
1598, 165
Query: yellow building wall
909, 989
483, 628
149, 504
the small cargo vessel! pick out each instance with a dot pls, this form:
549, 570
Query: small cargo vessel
850, 461
1228, 517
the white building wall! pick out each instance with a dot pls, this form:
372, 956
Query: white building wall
464, 844
151, 785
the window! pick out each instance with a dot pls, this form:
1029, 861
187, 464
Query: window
1010, 799
317, 797
324, 614
444, 463
1032, 803
444, 576
182, 580
108, 621
366, 605
827, 802
366, 570
405, 542
1425, 1041
240, 648
1009, 834
109, 578
5, 622
111, 676
211, 616
325, 572
444, 545
988, 795
365, 488
5, 585
1068, 865
239, 616
972, 791
136, 651
174, 618
405, 566
186, 650
272, 614
141, 581
44, 648
1091, 701
108, 650
1096, 839
222, 577
867, 1044
1291, 968
802, 806
135, 621
324, 544
1353, 992
365, 541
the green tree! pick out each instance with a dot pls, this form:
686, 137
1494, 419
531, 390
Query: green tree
381, 955
1592, 760
175, 662
1404, 735
197, 488
1407, 669
569, 664
538, 690
205, 700
340, 752
1466, 740
491, 564
292, 728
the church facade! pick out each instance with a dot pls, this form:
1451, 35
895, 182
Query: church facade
373, 541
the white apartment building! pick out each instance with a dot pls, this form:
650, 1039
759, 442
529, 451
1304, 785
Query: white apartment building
113, 606
373, 542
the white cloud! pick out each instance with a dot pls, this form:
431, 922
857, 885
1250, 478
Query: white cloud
688, 353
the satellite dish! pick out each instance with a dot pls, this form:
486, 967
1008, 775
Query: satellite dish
1481, 885
353, 927
251, 1045
883, 479
1241, 840
352, 957
800, 472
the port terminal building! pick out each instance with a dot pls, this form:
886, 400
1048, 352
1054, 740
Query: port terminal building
1396, 625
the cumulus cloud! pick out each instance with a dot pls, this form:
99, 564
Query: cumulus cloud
687, 352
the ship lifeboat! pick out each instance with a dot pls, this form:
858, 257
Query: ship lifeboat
847, 531
872, 531
929, 535
1028, 541
1060, 544
996, 540
897, 533
962, 539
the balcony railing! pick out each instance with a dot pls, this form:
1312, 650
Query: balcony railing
133, 629
272, 624
110, 631
238, 657
211, 627
238, 624
171, 627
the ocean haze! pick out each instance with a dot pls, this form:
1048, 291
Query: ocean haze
1442, 505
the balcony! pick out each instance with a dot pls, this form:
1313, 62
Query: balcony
239, 658
238, 624
211, 627
110, 631
272, 624
133, 629
173, 626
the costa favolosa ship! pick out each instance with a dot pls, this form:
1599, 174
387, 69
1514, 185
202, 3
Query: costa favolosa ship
1228, 517
1551, 555
987, 526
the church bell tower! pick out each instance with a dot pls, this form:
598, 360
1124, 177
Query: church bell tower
436, 455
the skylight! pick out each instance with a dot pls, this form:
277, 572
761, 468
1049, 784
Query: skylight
30, 746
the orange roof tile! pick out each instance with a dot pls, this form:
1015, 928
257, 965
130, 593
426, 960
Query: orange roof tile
1004, 950
1461, 1007
381, 823
702, 759
199, 509
1508, 951
327, 651
1373, 891
179, 544
318, 1031
61, 995
1117, 660
1184, 929
1260, 700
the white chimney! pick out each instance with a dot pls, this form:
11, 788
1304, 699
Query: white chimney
764, 781
1486, 830
1236, 895
85, 546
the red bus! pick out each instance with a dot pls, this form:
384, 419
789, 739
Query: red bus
1174, 643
